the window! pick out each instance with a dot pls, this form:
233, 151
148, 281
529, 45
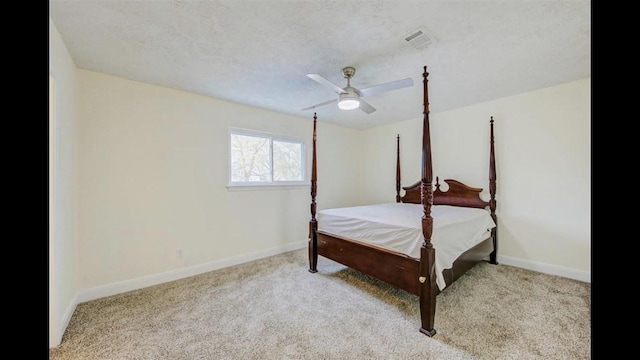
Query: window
258, 158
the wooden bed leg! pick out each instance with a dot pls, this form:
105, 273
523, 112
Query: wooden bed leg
427, 290
493, 257
313, 247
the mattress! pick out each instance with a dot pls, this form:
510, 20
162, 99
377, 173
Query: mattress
398, 227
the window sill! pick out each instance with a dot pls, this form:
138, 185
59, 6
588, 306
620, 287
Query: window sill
254, 187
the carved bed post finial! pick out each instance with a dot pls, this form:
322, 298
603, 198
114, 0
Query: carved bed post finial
313, 223
398, 169
428, 288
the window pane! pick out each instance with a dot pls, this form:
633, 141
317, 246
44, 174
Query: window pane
287, 161
250, 158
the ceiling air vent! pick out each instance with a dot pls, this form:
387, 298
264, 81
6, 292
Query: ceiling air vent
419, 38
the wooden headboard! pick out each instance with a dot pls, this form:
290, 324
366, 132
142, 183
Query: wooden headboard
458, 194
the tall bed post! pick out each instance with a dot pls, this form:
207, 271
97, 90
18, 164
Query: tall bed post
398, 169
428, 290
492, 203
313, 223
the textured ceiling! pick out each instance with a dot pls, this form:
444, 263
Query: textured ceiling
259, 52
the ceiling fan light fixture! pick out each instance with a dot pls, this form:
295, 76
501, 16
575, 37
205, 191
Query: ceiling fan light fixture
349, 97
348, 102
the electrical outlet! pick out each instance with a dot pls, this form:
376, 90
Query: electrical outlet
179, 253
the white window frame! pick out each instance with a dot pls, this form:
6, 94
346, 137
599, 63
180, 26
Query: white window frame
257, 185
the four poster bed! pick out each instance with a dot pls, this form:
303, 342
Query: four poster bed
388, 242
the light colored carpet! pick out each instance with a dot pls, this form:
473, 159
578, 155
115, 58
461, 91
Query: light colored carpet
274, 308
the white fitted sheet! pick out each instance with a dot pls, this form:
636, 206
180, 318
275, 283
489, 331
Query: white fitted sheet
398, 227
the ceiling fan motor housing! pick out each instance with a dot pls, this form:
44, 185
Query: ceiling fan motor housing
349, 99
350, 91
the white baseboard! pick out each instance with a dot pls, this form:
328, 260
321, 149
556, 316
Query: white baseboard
146, 281
546, 268
55, 337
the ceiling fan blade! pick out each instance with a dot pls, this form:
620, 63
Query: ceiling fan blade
335, 88
366, 107
393, 85
317, 105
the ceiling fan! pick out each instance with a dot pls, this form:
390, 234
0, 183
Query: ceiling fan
351, 98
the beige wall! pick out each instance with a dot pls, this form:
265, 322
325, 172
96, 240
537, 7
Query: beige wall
543, 156
63, 184
154, 174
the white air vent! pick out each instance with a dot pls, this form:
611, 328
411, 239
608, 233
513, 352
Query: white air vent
419, 38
